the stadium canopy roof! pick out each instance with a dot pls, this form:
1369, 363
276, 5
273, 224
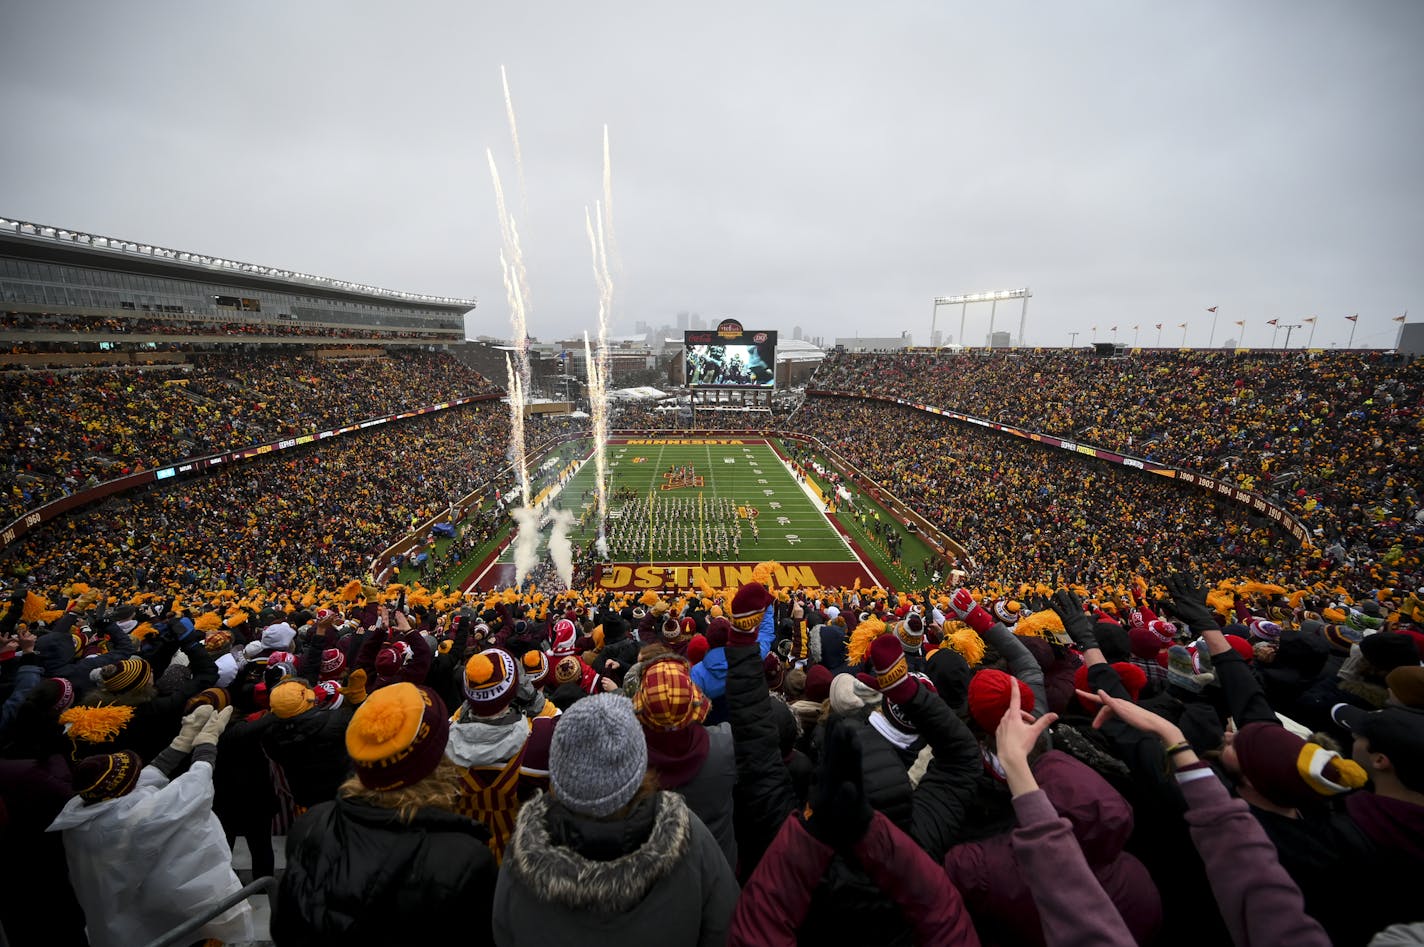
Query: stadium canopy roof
798, 350
636, 394
113, 250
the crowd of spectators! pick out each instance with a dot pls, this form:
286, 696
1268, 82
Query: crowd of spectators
1023, 510
645, 417
751, 766
65, 431
1333, 436
193, 324
312, 514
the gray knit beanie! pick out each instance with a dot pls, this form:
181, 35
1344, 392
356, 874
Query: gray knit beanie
598, 756
849, 697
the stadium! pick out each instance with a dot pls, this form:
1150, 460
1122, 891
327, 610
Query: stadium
338, 613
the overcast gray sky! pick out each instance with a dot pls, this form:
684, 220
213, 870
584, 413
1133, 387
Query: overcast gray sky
831, 165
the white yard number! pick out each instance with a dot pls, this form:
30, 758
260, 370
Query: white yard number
792, 538
783, 521
729, 460
756, 470
762, 480
770, 493
775, 505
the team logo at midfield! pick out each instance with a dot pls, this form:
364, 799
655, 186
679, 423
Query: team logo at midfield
683, 476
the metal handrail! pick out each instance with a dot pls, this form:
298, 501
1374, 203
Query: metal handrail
183, 934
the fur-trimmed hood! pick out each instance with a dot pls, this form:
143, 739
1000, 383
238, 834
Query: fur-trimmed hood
559, 874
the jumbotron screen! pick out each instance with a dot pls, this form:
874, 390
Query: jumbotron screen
730, 356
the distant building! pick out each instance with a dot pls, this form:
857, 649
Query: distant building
874, 344
682, 321
1000, 340
796, 333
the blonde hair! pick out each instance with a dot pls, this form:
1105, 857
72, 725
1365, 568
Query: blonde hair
439, 790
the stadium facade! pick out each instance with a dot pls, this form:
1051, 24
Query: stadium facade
67, 273
70, 301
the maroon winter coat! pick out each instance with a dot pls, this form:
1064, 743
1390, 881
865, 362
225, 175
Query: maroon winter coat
777, 896
999, 898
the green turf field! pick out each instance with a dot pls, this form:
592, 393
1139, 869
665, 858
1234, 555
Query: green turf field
710, 482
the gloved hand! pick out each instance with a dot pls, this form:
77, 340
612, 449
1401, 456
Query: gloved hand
192, 726
840, 813
213, 728
1069, 608
1189, 602
969, 611
355, 689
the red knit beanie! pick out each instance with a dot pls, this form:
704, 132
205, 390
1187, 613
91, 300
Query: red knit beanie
989, 697
697, 649
1133, 680
1241, 646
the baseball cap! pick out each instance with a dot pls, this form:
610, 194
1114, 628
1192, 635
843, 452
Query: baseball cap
1393, 731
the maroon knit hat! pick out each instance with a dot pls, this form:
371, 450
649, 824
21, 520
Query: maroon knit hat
774, 672
748, 605
890, 673
391, 660
1289, 771
107, 776
818, 683
717, 629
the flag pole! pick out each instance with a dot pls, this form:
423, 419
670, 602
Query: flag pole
1184, 335
1211, 336
1159, 335
1311, 341
1354, 323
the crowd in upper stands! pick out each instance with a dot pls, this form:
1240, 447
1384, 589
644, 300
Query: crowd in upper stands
196, 325
65, 431
1334, 436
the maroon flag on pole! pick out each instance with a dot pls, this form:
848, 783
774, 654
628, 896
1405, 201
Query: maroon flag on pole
1159, 325
1354, 318
1272, 322
1212, 309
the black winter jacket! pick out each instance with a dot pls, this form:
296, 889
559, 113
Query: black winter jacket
311, 750
847, 907
356, 874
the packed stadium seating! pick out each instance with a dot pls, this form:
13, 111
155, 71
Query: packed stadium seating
1333, 436
314, 516
65, 430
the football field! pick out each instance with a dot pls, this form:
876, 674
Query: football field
684, 513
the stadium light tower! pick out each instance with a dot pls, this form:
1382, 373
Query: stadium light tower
992, 298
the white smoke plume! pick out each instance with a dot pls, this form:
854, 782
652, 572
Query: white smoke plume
526, 542
561, 551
